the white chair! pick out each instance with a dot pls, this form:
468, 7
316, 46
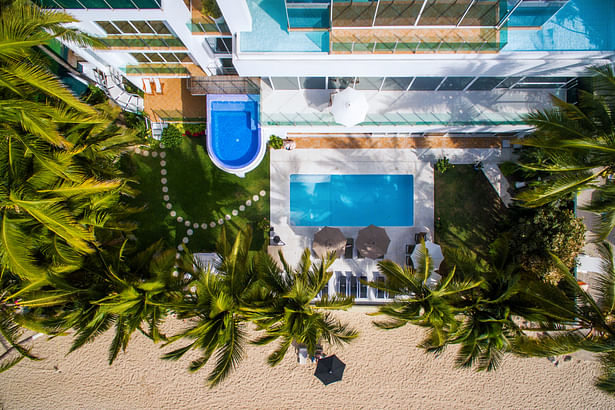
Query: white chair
157, 85
147, 86
302, 355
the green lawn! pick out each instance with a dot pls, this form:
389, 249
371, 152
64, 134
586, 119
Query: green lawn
467, 208
199, 192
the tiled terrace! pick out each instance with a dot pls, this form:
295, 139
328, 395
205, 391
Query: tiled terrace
363, 141
175, 102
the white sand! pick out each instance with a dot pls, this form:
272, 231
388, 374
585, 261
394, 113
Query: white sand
384, 370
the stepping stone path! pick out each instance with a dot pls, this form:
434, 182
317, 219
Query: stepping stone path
184, 219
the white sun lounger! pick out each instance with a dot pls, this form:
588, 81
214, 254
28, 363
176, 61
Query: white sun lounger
147, 86
158, 85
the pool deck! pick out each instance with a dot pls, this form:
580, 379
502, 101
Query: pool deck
417, 162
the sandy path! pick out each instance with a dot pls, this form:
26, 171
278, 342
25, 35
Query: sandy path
384, 370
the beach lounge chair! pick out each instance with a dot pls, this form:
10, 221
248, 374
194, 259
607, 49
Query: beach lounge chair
157, 85
302, 355
349, 248
147, 86
409, 249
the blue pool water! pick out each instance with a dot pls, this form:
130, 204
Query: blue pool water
233, 137
351, 200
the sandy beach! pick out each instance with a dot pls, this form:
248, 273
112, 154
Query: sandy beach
384, 369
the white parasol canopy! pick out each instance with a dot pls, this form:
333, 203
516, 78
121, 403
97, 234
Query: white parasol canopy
433, 250
349, 107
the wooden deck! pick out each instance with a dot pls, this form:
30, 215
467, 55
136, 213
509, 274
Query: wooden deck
175, 98
364, 141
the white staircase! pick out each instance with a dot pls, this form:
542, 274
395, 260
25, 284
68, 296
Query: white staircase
112, 83
498, 181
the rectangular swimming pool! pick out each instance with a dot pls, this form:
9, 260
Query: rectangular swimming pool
351, 200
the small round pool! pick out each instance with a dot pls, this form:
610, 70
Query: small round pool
234, 141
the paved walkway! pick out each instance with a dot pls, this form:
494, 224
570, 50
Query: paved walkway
359, 141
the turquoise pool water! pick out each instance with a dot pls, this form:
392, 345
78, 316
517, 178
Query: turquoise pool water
351, 200
270, 31
233, 131
580, 25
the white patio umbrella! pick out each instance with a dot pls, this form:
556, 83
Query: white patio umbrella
349, 107
433, 250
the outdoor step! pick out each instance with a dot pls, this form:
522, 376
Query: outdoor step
498, 181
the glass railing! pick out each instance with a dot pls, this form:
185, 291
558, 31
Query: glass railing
368, 13
208, 27
426, 40
157, 69
326, 119
140, 42
100, 4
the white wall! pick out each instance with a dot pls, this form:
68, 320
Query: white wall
236, 14
501, 64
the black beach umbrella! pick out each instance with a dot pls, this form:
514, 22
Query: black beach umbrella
330, 369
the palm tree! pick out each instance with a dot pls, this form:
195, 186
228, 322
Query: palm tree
574, 146
291, 314
218, 305
593, 328
493, 314
418, 302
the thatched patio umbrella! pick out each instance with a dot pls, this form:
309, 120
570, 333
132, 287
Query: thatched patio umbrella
373, 242
328, 240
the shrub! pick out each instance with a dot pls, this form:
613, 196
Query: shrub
171, 137
210, 8
195, 130
276, 142
537, 232
94, 95
443, 165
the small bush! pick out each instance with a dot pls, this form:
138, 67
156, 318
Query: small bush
443, 165
171, 137
276, 142
94, 95
210, 8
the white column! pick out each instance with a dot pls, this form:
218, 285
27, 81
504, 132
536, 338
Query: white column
236, 14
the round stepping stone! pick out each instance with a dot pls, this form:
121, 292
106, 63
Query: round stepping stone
154, 154
165, 189
203, 225
163, 154
180, 219
137, 150
189, 232
178, 255
163, 181
161, 145
193, 289
185, 239
242, 208
195, 225
212, 224
263, 193
235, 212
169, 205
187, 276
163, 163
166, 198
145, 153
163, 171
227, 217
180, 247
175, 274
173, 214
187, 223
255, 198
220, 221
249, 203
